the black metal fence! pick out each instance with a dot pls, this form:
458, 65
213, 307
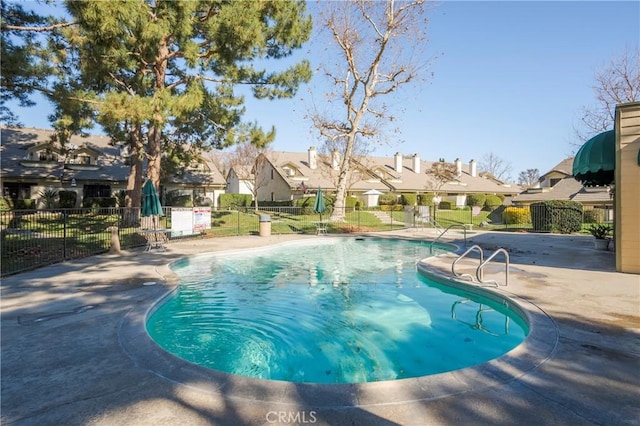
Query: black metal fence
33, 238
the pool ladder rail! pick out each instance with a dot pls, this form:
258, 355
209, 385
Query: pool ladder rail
455, 225
479, 277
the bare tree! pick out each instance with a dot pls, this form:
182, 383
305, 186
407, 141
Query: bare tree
371, 61
496, 167
529, 177
439, 174
329, 163
616, 84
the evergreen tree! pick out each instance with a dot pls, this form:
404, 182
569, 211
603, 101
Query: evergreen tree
169, 72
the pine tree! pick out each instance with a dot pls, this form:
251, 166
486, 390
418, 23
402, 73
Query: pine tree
169, 72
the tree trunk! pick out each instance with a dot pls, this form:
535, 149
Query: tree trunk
339, 206
154, 141
153, 155
134, 181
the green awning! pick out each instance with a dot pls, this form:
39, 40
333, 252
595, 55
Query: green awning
595, 162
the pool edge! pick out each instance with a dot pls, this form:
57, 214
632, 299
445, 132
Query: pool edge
532, 352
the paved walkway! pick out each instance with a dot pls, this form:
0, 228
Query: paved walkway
74, 351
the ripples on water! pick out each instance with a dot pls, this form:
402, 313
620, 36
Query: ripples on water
331, 311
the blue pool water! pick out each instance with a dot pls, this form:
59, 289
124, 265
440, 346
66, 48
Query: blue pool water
330, 310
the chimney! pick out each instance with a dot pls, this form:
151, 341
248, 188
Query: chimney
398, 162
458, 167
473, 169
416, 163
313, 158
335, 159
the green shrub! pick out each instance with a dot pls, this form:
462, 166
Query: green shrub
408, 199
556, 216
426, 199
48, 197
68, 199
235, 200
492, 202
387, 200
176, 199
26, 204
476, 199
391, 208
600, 230
6, 203
593, 216
306, 203
516, 215
352, 203
181, 201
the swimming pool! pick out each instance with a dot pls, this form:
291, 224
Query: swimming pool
330, 310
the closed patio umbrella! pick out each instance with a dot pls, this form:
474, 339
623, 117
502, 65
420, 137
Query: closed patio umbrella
151, 206
319, 205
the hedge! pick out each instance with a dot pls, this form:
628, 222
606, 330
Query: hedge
234, 200
408, 199
516, 215
594, 216
391, 208
426, 199
476, 199
556, 216
388, 200
352, 203
492, 202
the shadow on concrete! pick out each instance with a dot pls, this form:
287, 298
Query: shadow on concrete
550, 250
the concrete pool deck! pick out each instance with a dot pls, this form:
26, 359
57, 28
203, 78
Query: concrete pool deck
70, 354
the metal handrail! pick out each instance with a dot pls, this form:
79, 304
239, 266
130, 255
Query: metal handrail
445, 231
469, 250
479, 274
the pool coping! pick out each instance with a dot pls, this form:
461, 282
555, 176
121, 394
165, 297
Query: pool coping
538, 347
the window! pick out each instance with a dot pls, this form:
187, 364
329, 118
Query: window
552, 182
91, 191
17, 191
271, 176
47, 155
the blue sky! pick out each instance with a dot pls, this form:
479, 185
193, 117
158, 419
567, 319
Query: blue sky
510, 78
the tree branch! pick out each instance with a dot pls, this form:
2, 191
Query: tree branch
36, 29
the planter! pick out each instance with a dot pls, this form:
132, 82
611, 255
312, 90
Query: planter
601, 243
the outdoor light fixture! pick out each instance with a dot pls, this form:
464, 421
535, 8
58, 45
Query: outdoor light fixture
73, 183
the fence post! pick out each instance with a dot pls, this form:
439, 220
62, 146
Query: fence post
64, 234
